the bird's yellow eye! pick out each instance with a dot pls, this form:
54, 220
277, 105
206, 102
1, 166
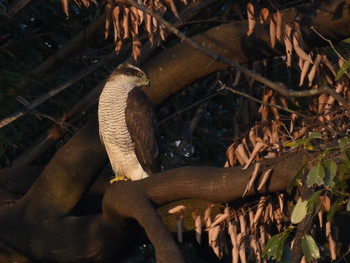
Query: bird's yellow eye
139, 74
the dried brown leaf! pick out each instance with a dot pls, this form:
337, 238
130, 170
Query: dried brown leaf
264, 14
198, 228
304, 71
259, 210
267, 133
302, 54
257, 148
231, 156
241, 154
251, 19
288, 44
272, 30
242, 225
313, 70
264, 179
332, 243
252, 179
125, 23
329, 65
279, 21
320, 218
177, 209
172, 6
108, 13
325, 203
65, 7
219, 219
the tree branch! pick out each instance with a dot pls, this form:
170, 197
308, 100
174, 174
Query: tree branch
278, 87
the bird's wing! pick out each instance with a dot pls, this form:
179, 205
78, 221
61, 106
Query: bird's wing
143, 128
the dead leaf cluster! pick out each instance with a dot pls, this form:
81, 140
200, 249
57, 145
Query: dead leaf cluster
242, 232
127, 22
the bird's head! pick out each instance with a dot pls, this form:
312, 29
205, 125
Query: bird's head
131, 74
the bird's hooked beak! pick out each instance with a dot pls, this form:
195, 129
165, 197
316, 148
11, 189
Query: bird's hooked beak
147, 83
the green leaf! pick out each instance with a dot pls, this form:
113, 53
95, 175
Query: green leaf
334, 208
271, 247
343, 142
275, 246
348, 205
316, 175
310, 248
342, 70
299, 211
291, 144
312, 200
330, 168
315, 135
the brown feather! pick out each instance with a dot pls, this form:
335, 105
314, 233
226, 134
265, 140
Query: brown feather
142, 125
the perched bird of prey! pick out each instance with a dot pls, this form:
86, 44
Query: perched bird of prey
127, 124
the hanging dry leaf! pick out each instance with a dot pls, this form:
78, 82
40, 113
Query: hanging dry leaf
279, 21
173, 8
108, 13
219, 219
320, 218
231, 156
302, 54
304, 70
116, 25
326, 62
312, 73
242, 223
257, 148
241, 154
264, 179
259, 210
272, 30
332, 243
288, 44
198, 228
251, 19
177, 209
264, 14
125, 23
252, 179
65, 7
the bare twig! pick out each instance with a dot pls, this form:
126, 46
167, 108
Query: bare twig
28, 108
278, 87
330, 43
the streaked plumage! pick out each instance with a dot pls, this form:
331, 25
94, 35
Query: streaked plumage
127, 124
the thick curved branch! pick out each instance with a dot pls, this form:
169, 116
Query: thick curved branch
207, 183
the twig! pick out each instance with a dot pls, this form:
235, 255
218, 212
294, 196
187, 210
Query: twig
329, 41
28, 108
278, 87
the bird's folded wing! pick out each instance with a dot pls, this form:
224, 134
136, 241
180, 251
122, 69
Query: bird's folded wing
143, 128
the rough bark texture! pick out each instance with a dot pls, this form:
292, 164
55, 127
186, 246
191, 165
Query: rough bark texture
40, 225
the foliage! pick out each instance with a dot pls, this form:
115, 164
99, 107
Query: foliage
255, 130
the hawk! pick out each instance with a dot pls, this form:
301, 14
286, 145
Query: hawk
127, 124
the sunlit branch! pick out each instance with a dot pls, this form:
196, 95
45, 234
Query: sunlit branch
278, 87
